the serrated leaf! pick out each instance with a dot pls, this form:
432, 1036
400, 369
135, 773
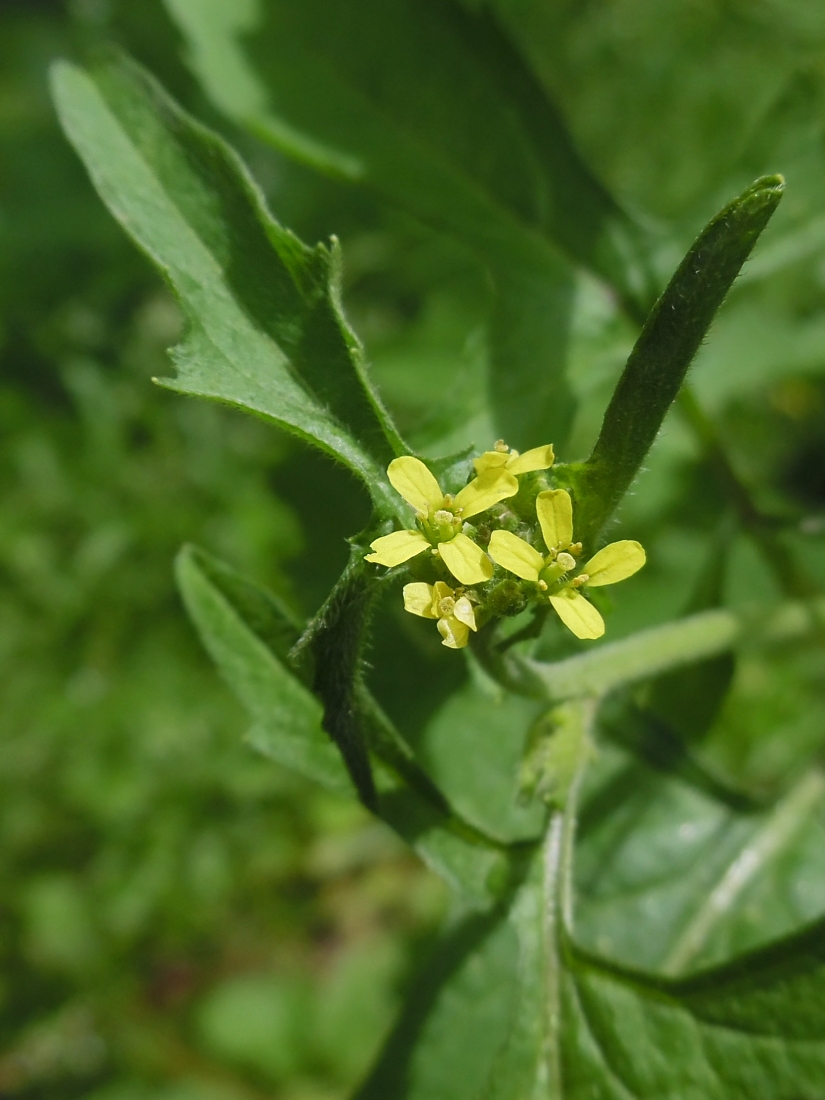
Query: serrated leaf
265, 330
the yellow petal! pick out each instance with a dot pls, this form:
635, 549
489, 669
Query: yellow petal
490, 460
540, 458
400, 546
577, 613
440, 590
555, 511
615, 562
464, 613
418, 599
411, 478
484, 491
467, 562
455, 633
513, 553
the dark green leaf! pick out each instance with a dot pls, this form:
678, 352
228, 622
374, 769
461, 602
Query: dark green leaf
334, 640
265, 330
660, 359
529, 396
424, 101
688, 699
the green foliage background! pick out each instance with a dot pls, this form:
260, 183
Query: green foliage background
179, 917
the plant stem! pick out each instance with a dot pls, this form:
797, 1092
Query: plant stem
557, 856
651, 652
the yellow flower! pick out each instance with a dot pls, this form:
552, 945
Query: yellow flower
441, 516
504, 458
453, 611
613, 563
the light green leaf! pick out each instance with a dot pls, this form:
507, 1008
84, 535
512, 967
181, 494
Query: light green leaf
265, 330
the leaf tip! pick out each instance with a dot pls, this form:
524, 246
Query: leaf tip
765, 192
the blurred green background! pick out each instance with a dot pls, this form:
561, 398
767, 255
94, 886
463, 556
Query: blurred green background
179, 918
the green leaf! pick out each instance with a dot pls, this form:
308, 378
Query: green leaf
750, 1030
589, 1030
472, 746
286, 716
529, 332
455, 1019
334, 639
688, 699
432, 107
666, 750
670, 878
477, 146
665, 349
288, 728
265, 330
264, 613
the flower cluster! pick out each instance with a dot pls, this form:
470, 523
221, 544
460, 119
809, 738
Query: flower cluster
529, 537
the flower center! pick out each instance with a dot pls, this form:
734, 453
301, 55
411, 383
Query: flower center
557, 564
441, 525
446, 606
